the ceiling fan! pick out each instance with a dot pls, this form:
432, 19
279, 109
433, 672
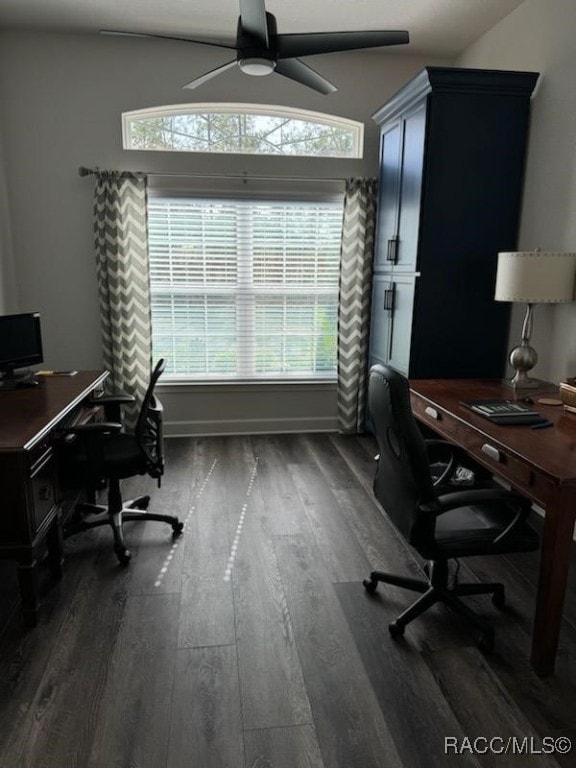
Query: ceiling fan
260, 50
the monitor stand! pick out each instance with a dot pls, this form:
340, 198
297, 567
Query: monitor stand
12, 380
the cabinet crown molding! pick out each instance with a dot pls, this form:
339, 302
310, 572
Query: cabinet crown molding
492, 82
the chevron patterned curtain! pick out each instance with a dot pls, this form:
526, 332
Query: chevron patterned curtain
354, 306
121, 240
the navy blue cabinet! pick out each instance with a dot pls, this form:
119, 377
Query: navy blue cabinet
452, 152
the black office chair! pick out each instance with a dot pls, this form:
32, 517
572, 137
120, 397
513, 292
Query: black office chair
439, 526
104, 451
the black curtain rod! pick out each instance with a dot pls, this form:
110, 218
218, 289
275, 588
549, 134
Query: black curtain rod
83, 171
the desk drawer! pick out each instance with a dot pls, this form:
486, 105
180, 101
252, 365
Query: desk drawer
439, 420
37, 454
495, 457
522, 476
489, 453
42, 488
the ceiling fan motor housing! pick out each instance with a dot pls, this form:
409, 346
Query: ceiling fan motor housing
253, 55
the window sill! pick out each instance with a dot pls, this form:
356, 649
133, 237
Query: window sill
253, 385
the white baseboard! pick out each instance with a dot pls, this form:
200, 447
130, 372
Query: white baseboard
207, 428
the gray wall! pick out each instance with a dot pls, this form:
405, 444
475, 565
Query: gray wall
62, 97
8, 296
539, 36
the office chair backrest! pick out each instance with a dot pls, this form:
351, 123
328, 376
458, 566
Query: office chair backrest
149, 427
403, 480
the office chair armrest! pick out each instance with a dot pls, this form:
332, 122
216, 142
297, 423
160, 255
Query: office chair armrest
119, 399
456, 499
112, 404
95, 427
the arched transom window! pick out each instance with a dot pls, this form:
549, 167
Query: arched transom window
242, 129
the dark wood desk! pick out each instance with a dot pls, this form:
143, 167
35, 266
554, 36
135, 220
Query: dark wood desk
31, 494
540, 464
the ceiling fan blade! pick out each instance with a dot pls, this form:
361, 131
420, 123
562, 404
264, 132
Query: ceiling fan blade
209, 75
331, 42
302, 73
216, 43
253, 20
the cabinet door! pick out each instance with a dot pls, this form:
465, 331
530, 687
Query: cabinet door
401, 312
391, 320
380, 319
414, 125
388, 195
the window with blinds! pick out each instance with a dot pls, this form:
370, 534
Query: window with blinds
244, 289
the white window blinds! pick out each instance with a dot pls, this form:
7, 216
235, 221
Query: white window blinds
244, 289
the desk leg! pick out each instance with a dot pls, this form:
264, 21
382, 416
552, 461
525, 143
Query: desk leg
27, 580
554, 564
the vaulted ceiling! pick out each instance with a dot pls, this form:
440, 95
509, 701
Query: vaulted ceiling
441, 27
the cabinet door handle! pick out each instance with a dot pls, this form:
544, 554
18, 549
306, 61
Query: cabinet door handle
392, 250
389, 298
432, 412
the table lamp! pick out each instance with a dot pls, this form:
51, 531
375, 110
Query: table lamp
533, 277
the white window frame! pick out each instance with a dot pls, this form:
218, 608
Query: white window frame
244, 376
353, 127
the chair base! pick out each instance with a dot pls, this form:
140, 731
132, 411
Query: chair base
437, 590
115, 518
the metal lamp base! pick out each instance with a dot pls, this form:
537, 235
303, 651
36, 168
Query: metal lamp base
525, 383
523, 358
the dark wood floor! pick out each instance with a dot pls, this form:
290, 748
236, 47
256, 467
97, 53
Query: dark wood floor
252, 643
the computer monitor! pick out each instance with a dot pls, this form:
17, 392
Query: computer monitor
20, 345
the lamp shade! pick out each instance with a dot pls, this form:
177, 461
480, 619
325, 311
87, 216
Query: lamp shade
536, 277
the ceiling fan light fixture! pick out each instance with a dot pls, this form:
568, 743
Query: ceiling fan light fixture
257, 66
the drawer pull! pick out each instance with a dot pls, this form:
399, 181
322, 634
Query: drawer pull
432, 412
494, 453
45, 493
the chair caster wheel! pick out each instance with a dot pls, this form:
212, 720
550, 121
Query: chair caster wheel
177, 529
142, 503
395, 629
485, 642
499, 598
124, 556
370, 586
